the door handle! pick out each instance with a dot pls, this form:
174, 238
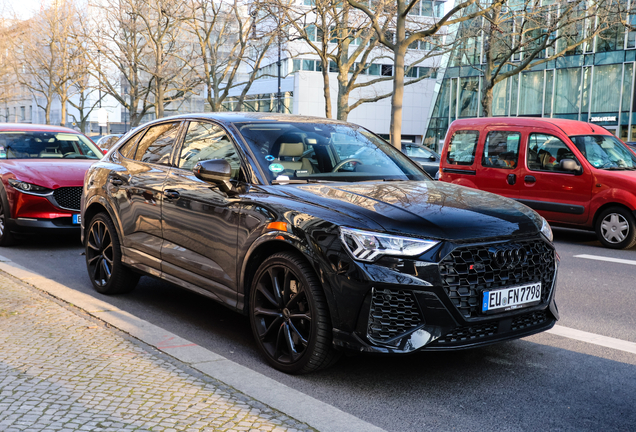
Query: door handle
529, 179
171, 194
512, 179
116, 181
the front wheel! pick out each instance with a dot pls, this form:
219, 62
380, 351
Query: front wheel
616, 228
289, 315
6, 237
103, 258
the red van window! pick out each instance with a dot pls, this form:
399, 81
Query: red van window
501, 149
545, 153
462, 146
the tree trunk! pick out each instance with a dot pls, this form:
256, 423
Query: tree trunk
486, 100
327, 88
343, 98
159, 98
397, 98
47, 114
63, 113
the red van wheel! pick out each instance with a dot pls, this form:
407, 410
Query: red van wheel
616, 228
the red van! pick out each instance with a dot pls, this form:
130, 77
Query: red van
575, 174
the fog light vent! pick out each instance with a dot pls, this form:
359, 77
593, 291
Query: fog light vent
393, 313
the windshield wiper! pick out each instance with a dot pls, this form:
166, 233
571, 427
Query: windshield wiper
299, 181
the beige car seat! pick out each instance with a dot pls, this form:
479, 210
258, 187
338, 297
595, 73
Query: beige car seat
290, 156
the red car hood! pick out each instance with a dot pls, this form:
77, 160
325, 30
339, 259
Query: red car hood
49, 173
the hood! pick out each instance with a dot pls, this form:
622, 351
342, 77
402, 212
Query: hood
49, 173
427, 209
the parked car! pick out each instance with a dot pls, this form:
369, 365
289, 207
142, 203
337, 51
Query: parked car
42, 170
574, 174
427, 158
107, 141
325, 253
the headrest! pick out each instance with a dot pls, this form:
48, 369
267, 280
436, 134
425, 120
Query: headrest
291, 150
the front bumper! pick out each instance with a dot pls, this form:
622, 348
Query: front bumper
434, 305
36, 225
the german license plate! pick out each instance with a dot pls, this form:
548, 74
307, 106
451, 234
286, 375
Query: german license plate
77, 219
511, 298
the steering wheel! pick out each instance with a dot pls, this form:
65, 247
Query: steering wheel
344, 162
68, 154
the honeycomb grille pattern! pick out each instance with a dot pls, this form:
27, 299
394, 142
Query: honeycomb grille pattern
68, 197
469, 333
528, 320
392, 314
467, 271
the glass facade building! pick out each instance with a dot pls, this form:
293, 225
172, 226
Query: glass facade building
595, 84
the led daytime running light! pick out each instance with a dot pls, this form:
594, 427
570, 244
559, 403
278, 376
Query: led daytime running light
28, 187
368, 246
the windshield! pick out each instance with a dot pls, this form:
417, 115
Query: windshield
46, 145
324, 151
605, 152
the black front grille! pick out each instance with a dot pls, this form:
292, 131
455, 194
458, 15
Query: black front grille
469, 333
393, 313
68, 197
529, 320
467, 271
477, 332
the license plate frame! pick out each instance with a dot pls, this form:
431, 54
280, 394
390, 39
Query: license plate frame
511, 298
77, 219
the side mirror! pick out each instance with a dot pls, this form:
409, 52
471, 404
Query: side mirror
432, 158
217, 171
570, 165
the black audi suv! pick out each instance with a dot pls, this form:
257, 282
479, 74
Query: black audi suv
328, 238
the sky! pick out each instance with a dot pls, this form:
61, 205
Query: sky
23, 8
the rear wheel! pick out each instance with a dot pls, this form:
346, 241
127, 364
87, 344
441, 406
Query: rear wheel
289, 315
6, 237
616, 228
103, 258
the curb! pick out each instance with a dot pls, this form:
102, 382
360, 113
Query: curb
304, 408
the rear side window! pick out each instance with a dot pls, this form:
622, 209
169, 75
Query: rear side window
501, 149
157, 143
128, 149
545, 153
461, 150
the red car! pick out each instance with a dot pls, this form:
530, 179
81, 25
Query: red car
575, 174
42, 170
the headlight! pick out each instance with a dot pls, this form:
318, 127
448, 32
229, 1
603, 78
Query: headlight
368, 246
29, 188
546, 230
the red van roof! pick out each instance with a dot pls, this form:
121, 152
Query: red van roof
569, 127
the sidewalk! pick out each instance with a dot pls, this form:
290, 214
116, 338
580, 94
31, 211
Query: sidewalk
60, 371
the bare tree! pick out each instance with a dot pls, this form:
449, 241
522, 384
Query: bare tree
403, 34
43, 51
516, 38
227, 41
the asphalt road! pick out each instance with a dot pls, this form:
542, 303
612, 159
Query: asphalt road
543, 382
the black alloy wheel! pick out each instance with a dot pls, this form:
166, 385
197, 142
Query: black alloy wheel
289, 315
616, 228
6, 237
103, 258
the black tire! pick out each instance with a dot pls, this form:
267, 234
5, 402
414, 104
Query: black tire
103, 258
292, 329
616, 228
6, 236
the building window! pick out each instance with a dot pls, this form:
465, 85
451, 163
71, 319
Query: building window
387, 70
22, 113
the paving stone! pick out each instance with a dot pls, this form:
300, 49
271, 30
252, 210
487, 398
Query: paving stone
62, 372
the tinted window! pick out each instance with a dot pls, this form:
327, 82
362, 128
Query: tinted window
47, 145
545, 153
128, 149
415, 151
325, 151
605, 152
205, 141
461, 149
501, 149
157, 143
